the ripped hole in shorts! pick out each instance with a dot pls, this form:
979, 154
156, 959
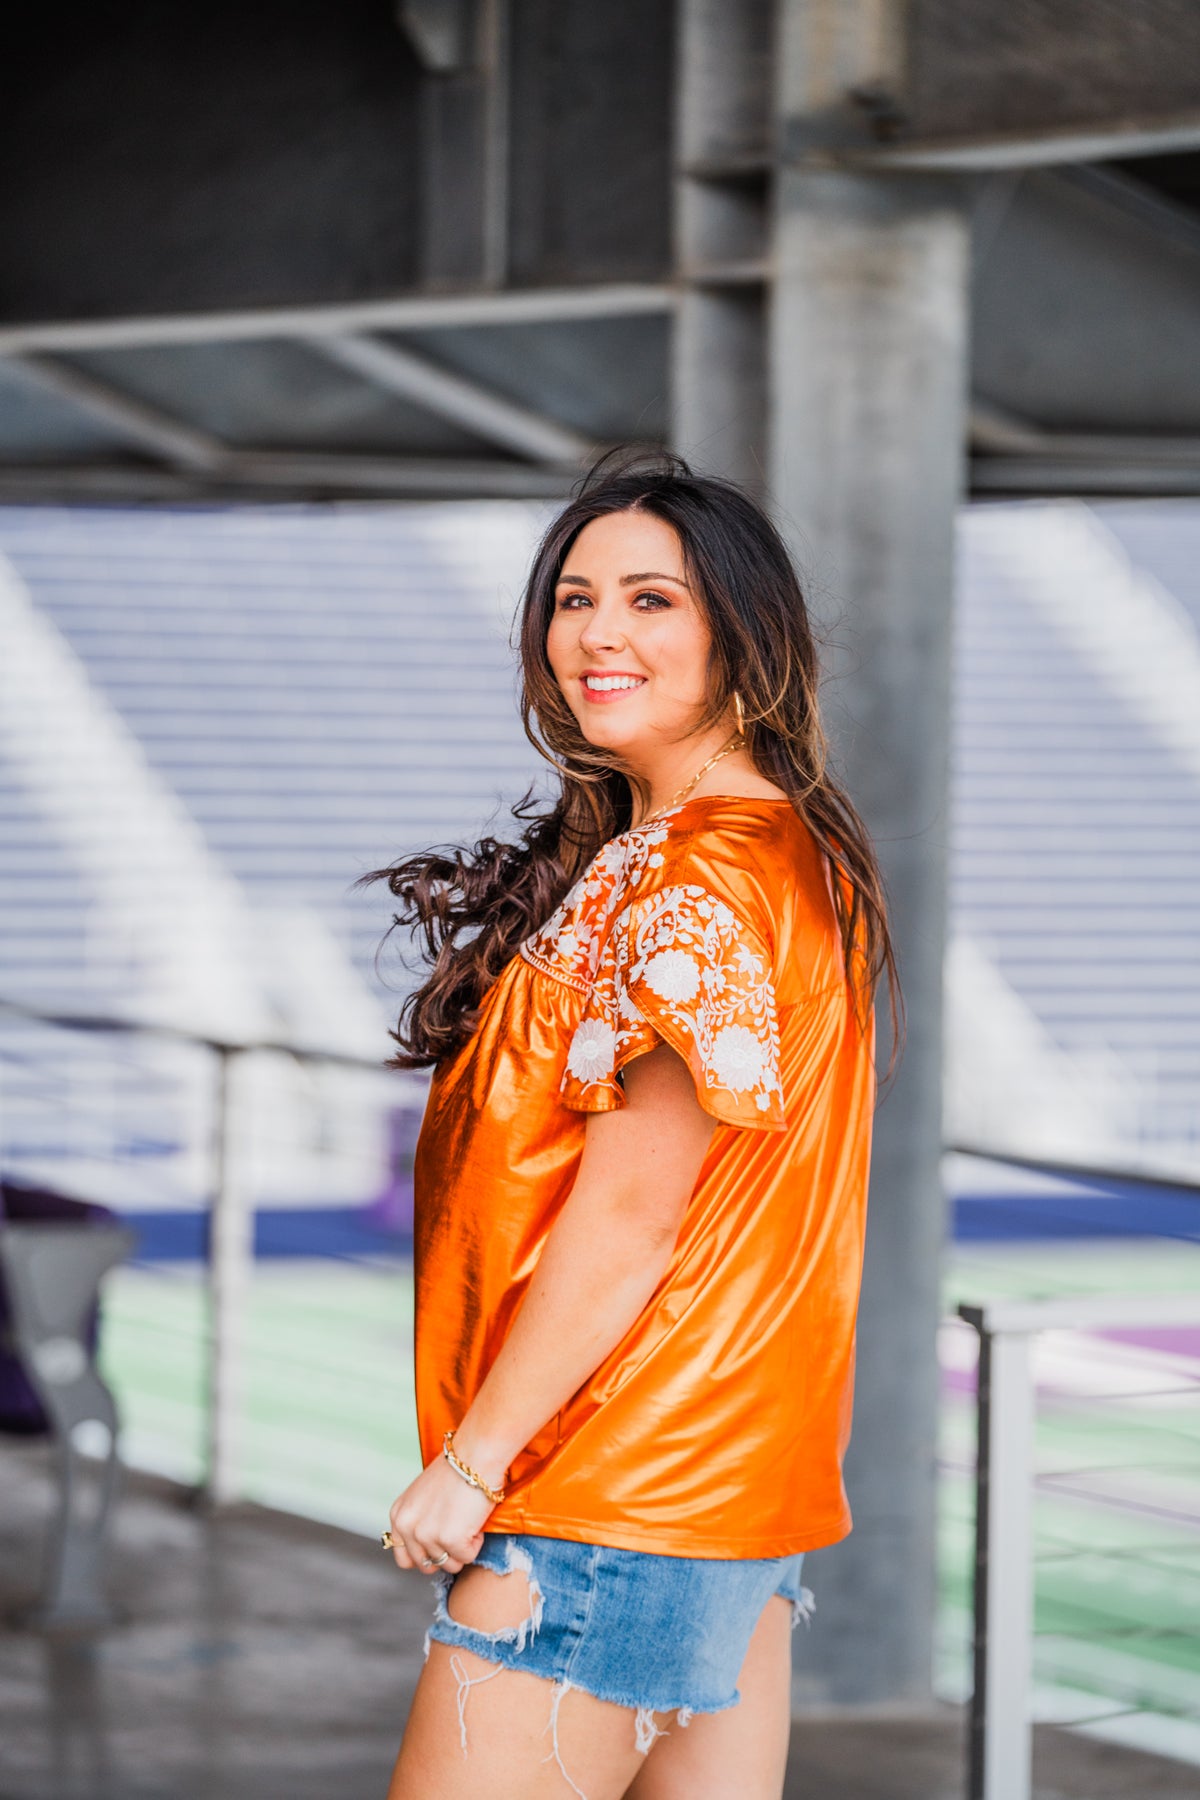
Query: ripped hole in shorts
517, 1561
519, 1633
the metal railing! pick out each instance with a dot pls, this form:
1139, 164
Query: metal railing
1000, 1757
229, 1209
1007, 1331
1001, 1729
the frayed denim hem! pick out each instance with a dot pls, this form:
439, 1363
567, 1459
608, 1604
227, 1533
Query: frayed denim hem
804, 1607
504, 1648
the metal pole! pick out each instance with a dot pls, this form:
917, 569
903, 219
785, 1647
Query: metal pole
230, 1263
1001, 1737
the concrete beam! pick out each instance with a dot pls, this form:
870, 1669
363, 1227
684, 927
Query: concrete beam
419, 312
464, 402
1086, 308
1047, 149
143, 427
442, 32
1127, 477
994, 429
722, 128
262, 475
463, 171
1010, 455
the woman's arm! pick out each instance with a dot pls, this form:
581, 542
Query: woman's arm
602, 1260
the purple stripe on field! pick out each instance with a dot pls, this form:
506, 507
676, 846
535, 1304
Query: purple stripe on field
1177, 1340
1061, 1487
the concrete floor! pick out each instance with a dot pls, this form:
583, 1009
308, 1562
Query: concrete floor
263, 1658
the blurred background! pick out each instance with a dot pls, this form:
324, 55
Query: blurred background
310, 314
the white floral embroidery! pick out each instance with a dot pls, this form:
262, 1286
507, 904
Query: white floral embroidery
689, 958
673, 974
592, 1050
568, 945
737, 1058
732, 1023
683, 955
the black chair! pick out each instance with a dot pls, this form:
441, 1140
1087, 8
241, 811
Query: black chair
53, 1252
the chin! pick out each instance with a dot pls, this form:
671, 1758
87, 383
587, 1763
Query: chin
603, 732
621, 743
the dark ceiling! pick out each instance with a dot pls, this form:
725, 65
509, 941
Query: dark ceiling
324, 247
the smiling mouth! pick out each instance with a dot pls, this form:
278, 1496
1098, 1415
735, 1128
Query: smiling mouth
612, 684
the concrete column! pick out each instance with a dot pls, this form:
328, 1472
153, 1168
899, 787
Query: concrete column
722, 132
866, 389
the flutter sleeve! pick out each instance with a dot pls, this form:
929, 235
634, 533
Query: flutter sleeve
680, 967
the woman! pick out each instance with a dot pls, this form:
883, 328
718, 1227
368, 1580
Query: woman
641, 1179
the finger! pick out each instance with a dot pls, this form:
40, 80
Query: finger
435, 1559
451, 1566
404, 1546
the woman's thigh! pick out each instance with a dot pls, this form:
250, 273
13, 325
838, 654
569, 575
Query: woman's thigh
478, 1728
742, 1750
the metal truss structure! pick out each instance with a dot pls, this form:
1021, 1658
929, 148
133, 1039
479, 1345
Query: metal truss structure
455, 246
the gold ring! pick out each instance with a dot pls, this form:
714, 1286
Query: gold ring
439, 1560
387, 1540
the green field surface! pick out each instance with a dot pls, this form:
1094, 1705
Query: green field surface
1117, 1498
327, 1430
327, 1427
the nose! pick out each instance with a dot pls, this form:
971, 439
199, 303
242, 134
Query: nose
601, 629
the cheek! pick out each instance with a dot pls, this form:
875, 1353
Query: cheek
559, 642
679, 653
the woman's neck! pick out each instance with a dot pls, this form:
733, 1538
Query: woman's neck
684, 775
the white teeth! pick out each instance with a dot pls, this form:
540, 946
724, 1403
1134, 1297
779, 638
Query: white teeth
604, 684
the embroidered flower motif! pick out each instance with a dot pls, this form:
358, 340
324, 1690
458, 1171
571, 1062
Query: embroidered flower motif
673, 974
569, 944
592, 1050
692, 952
677, 963
626, 1008
736, 1058
747, 962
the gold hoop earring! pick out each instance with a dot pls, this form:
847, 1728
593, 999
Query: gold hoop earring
739, 713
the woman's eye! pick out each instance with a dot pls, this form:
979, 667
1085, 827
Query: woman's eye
644, 602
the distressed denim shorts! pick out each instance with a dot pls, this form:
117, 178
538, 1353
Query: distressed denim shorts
654, 1633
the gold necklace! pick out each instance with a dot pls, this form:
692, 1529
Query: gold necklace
734, 743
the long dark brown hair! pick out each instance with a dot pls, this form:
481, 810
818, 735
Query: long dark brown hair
470, 909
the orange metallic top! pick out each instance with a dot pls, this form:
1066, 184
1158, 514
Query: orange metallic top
716, 1427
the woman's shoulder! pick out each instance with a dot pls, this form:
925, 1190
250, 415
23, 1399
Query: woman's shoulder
754, 857
747, 834
752, 852
747, 850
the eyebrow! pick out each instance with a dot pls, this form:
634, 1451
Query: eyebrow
626, 580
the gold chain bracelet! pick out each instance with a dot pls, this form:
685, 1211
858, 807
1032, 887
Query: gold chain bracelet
495, 1495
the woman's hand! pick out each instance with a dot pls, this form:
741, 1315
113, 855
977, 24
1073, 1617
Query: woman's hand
437, 1512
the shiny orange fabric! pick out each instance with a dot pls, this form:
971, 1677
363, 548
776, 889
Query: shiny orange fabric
718, 1424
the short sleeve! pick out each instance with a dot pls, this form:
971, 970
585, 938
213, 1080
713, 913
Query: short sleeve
679, 966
